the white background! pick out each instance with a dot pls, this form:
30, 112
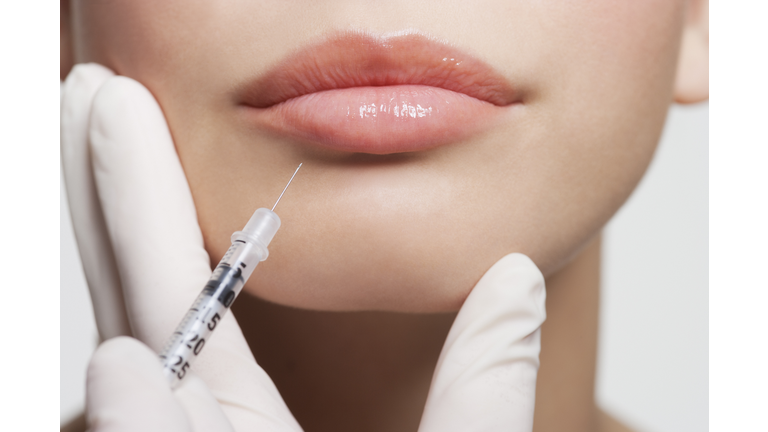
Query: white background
653, 362
653, 358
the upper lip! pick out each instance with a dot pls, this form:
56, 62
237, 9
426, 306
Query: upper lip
359, 60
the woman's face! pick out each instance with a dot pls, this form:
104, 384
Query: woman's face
534, 139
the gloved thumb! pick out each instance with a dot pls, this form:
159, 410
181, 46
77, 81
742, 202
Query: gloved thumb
485, 379
127, 391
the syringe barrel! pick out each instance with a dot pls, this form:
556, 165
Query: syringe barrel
222, 288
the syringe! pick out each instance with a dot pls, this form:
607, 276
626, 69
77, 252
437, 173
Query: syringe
249, 247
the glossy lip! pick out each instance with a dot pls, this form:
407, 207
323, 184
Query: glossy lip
356, 92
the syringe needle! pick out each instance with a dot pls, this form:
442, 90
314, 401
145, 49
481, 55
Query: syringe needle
286, 186
249, 248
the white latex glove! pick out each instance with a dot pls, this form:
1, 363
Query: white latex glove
145, 263
485, 379
140, 217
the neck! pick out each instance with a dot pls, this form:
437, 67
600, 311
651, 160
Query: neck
372, 370
565, 396
347, 371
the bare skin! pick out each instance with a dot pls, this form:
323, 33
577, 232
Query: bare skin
370, 371
594, 84
598, 81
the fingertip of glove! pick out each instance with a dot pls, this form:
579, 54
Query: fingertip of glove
518, 263
514, 279
121, 87
88, 72
124, 110
126, 390
123, 353
520, 259
122, 349
87, 76
77, 94
118, 94
124, 359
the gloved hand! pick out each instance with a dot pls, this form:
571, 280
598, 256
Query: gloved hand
144, 260
132, 208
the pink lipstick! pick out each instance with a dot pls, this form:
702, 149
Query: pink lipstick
360, 93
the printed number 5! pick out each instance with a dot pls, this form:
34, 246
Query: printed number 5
214, 320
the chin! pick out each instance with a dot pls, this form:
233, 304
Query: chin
388, 260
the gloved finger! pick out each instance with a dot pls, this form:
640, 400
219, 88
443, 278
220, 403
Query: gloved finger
485, 379
88, 222
127, 391
163, 265
150, 215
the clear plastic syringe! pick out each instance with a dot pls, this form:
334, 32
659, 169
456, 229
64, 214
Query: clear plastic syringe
249, 247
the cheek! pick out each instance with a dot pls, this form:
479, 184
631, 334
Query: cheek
413, 234
120, 35
609, 69
598, 79
164, 45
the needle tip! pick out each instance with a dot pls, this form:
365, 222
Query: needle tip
286, 186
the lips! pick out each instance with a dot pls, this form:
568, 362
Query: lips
359, 93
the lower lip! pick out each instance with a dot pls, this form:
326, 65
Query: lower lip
379, 120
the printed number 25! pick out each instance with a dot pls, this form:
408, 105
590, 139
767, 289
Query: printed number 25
183, 370
214, 320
